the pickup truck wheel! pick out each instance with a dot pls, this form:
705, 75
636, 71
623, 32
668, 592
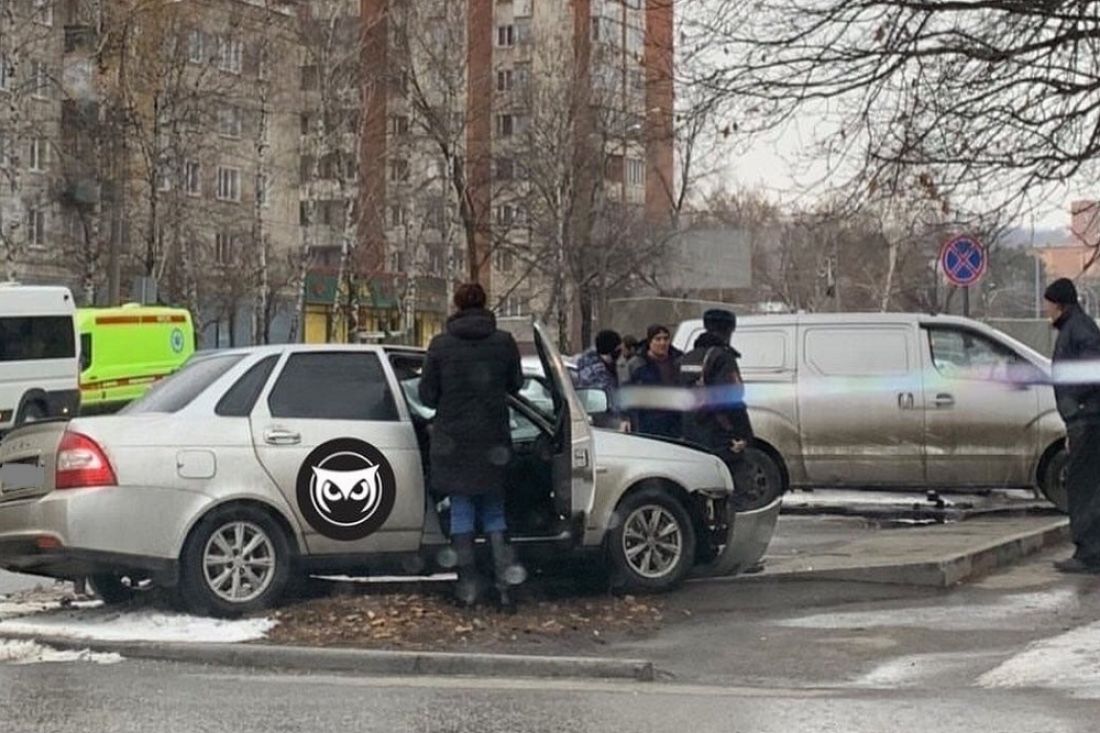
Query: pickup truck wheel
32, 412
652, 545
237, 560
1053, 481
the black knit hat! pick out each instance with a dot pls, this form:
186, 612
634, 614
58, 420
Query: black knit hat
1062, 292
719, 319
607, 342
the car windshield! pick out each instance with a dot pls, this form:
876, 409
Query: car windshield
180, 389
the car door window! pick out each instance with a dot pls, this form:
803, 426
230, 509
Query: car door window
336, 385
961, 354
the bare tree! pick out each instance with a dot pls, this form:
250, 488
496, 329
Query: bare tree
985, 100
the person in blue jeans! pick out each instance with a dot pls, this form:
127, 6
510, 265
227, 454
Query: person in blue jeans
470, 370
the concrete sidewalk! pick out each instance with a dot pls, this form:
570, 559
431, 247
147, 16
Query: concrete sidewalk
939, 555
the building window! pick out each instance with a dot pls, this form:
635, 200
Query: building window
39, 158
6, 73
635, 172
40, 80
595, 29
397, 216
502, 260
43, 12
230, 53
223, 247
637, 80
263, 64
36, 227
230, 121
504, 80
506, 125
195, 47
192, 178
399, 170
399, 125
229, 184
397, 262
164, 177
262, 185
505, 169
506, 36
505, 215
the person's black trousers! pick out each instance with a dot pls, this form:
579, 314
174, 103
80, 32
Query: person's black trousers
1083, 488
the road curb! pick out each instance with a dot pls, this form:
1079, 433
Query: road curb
938, 572
358, 661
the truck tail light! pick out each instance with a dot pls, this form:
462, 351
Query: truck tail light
82, 463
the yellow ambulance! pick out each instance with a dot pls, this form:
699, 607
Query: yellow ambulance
125, 350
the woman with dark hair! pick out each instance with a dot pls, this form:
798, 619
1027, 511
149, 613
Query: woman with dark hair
471, 369
657, 365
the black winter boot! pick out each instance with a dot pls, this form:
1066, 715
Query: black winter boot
507, 570
469, 585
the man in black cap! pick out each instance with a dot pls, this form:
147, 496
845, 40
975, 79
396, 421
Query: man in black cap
598, 368
1078, 399
721, 421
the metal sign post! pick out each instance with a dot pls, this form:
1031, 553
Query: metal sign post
964, 262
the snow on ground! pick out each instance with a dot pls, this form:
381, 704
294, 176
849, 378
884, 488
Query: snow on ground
29, 652
108, 624
1069, 662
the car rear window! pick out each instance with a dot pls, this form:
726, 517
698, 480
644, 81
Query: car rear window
335, 385
241, 397
180, 389
26, 338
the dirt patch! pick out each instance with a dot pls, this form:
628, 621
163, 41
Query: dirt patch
427, 620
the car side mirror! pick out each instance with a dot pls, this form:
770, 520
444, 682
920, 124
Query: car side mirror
595, 401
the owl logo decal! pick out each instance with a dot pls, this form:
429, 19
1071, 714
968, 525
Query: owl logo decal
346, 489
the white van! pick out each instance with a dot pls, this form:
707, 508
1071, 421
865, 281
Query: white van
39, 354
898, 399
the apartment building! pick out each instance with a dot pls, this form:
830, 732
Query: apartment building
476, 110
31, 38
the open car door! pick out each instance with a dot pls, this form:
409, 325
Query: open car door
574, 472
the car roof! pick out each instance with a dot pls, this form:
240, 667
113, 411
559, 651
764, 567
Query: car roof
810, 319
280, 348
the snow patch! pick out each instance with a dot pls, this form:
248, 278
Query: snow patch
1011, 612
103, 624
920, 670
1068, 662
29, 652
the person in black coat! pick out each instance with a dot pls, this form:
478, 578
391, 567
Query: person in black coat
1078, 398
721, 423
658, 365
470, 370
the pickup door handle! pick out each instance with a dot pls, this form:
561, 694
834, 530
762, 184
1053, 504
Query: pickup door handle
945, 400
905, 400
276, 436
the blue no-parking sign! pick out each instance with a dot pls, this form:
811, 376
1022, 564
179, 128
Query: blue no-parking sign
964, 260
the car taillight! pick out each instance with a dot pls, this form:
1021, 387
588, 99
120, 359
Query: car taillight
81, 463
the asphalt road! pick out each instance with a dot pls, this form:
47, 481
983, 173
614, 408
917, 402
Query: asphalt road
1018, 651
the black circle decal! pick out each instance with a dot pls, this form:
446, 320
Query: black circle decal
346, 489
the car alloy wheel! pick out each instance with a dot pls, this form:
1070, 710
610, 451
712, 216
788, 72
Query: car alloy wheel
653, 541
239, 562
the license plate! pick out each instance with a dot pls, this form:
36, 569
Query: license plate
20, 477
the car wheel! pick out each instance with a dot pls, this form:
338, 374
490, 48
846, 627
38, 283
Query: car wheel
32, 412
117, 589
652, 544
237, 560
1053, 481
758, 481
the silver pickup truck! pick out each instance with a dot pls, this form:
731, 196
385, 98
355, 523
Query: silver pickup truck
898, 400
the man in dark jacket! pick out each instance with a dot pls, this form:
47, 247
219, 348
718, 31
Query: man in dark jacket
470, 370
1077, 394
721, 421
657, 365
598, 368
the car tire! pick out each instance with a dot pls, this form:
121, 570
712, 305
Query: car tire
638, 564
758, 481
1052, 482
32, 412
236, 560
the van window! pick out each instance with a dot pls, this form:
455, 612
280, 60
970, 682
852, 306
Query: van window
857, 352
179, 390
85, 351
25, 338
